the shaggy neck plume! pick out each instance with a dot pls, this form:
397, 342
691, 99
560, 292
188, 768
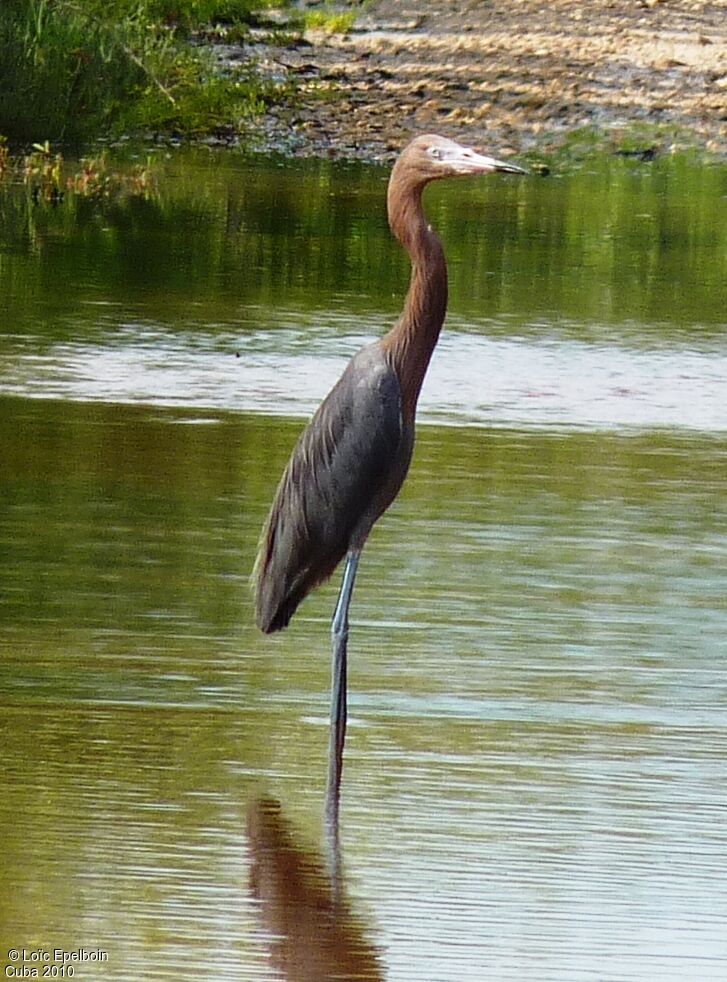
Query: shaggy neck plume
411, 341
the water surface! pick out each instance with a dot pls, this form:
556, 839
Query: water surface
535, 778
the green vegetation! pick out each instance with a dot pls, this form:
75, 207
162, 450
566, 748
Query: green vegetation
329, 21
635, 139
73, 70
47, 178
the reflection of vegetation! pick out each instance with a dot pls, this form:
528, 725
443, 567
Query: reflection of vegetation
617, 242
71, 69
4, 157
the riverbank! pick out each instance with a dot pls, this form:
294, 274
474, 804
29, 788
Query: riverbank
512, 75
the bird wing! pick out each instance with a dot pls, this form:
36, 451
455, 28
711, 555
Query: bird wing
345, 470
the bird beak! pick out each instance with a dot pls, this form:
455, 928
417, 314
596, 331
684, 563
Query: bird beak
470, 162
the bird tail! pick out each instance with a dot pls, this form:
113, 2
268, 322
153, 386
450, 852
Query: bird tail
283, 576
279, 583
267, 600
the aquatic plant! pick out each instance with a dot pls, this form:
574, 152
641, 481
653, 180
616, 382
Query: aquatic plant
49, 178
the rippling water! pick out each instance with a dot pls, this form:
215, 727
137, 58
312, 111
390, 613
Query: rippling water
474, 379
535, 779
535, 765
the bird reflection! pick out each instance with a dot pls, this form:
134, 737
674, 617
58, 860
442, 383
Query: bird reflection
314, 935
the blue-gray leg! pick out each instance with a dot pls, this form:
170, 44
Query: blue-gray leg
339, 636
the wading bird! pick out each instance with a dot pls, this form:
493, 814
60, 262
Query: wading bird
352, 458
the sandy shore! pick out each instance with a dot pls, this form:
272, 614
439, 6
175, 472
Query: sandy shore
508, 74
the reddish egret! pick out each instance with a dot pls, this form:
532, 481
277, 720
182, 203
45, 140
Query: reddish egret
353, 456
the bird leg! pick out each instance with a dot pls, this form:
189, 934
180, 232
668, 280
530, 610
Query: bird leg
339, 636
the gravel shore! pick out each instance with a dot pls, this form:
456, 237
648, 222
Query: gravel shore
508, 74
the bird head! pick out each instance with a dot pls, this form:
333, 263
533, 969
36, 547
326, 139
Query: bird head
430, 158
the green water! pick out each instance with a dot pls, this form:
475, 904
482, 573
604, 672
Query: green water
535, 770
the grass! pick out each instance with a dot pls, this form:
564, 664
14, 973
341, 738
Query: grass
639, 140
74, 70
329, 21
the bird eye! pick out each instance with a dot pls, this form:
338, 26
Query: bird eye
435, 152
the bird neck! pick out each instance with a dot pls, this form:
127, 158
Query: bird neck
410, 343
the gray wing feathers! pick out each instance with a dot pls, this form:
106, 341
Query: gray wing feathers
344, 472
